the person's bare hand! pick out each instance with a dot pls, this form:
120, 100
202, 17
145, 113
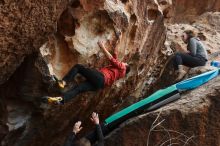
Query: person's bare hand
77, 127
100, 43
95, 118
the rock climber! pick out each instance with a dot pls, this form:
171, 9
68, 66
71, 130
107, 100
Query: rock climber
88, 140
95, 79
196, 54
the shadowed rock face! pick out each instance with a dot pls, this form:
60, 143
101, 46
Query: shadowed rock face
25, 25
73, 30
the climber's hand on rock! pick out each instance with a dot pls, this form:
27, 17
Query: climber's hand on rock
101, 44
77, 127
106, 52
95, 118
118, 36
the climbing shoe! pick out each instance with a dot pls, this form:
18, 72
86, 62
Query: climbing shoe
53, 100
61, 84
181, 73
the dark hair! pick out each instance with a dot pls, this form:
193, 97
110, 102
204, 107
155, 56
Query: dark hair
127, 69
83, 142
190, 34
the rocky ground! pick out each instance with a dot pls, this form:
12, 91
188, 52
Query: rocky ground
44, 38
192, 120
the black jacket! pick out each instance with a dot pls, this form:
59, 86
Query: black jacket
71, 139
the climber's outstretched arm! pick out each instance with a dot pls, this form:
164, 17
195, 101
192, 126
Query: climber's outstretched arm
106, 52
72, 137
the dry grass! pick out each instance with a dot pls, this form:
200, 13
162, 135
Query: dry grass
179, 139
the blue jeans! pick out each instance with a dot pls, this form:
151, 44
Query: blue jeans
94, 81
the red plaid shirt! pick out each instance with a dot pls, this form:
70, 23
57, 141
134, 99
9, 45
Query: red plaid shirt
114, 71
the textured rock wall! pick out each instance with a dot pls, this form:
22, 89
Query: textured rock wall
192, 120
24, 27
73, 30
85, 23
